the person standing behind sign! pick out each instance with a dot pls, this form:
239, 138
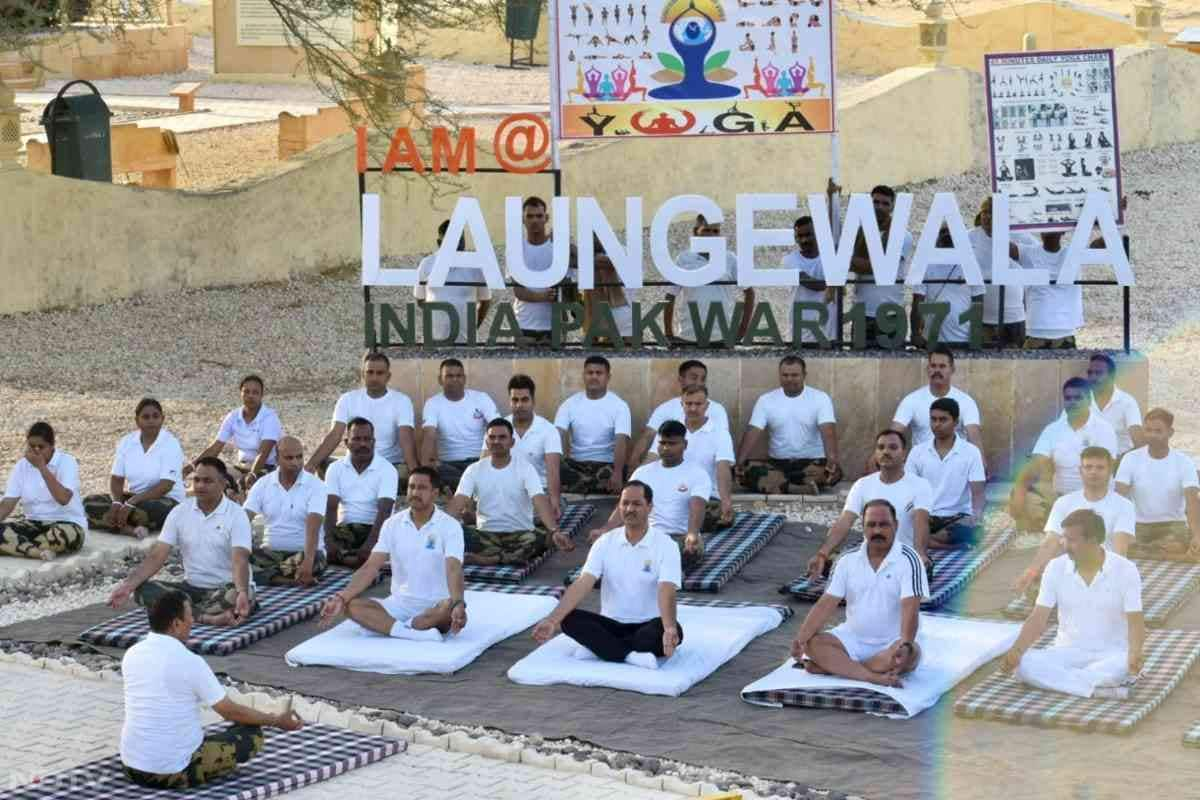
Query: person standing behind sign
884, 200
806, 260
1055, 312
610, 291
705, 297
1012, 332
535, 307
457, 296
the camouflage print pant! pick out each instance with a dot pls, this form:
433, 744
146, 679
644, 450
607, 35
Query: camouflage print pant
150, 514
205, 602
450, 473
712, 517
348, 537
28, 538
788, 476
514, 548
1161, 540
1032, 517
218, 756
690, 560
282, 566
585, 477
1037, 343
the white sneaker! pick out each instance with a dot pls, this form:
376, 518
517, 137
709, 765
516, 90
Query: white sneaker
644, 660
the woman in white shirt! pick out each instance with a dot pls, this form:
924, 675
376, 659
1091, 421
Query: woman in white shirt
254, 429
46, 484
146, 481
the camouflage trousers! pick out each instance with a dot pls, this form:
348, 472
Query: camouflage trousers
788, 476
205, 602
1170, 540
282, 566
1032, 517
348, 537
712, 518
1037, 343
689, 560
585, 477
150, 514
450, 473
510, 548
29, 538
218, 756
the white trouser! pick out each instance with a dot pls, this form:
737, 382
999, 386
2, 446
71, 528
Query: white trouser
1073, 670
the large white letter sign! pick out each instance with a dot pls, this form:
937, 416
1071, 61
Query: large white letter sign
1097, 209
1002, 272
467, 216
372, 273
749, 237
712, 246
627, 259
944, 209
860, 215
514, 245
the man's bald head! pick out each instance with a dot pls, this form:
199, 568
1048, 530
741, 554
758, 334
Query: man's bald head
290, 454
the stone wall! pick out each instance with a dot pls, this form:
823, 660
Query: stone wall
136, 50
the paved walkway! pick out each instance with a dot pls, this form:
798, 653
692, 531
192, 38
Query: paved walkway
51, 722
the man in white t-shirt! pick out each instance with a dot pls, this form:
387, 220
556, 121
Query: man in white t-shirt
910, 495
212, 534
163, 744
812, 289
709, 447
954, 468
867, 293
692, 373
453, 425
802, 452
1165, 490
957, 299
534, 308
1053, 468
694, 309
1096, 494
424, 547
506, 491
536, 439
1119, 408
390, 413
292, 502
912, 415
465, 300
1101, 628
1010, 332
641, 572
1055, 313
883, 584
599, 425
362, 492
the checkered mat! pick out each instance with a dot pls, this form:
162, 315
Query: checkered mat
1192, 737
725, 552
1169, 656
289, 760
572, 522
1166, 586
280, 607
953, 570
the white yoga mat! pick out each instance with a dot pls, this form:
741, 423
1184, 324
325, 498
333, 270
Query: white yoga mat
952, 649
711, 636
491, 617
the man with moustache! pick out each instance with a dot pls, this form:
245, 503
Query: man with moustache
692, 373
362, 491
292, 502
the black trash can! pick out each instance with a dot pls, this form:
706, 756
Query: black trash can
521, 24
78, 131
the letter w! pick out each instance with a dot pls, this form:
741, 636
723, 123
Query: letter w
716, 314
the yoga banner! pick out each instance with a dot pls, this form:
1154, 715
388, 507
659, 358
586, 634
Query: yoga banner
693, 67
1052, 120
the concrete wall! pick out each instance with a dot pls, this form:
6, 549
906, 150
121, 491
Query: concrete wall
1015, 396
137, 50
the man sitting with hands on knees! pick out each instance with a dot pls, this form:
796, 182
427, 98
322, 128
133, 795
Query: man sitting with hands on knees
883, 584
637, 623
362, 492
1101, 628
425, 548
293, 503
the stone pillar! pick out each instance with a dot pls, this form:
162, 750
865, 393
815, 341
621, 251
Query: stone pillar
1029, 42
10, 128
1147, 19
932, 33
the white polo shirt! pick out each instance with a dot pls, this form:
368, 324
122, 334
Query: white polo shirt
1064, 445
247, 437
1054, 312
906, 495
418, 555
706, 447
1092, 617
950, 477
460, 423
674, 488
456, 296
1122, 413
810, 269
359, 493
875, 296
387, 414
165, 685
1117, 512
142, 469
26, 484
705, 297
206, 541
286, 510
540, 438
873, 596
594, 425
504, 496
673, 410
1014, 296
1158, 485
794, 423
913, 411
632, 573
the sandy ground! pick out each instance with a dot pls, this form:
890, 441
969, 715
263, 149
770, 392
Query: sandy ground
1177, 14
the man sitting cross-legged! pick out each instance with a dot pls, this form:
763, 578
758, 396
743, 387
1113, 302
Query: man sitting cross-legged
163, 745
709, 447
1101, 628
362, 492
954, 468
682, 489
506, 491
212, 534
692, 373
637, 622
598, 423
453, 424
1163, 485
292, 502
883, 584
424, 546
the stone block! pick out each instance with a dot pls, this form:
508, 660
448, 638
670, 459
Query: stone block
424, 737
462, 742
491, 376
664, 380
856, 401
565, 763
644, 781
490, 747
991, 385
724, 386
1037, 394
672, 783
897, 377
535, 758
393, 731
361, 724
602, 770
331, 716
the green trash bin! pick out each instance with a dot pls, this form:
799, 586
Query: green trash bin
521, 19
79, 135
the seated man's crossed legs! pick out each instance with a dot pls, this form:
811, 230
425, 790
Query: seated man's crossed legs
1164, 540
789, 476
714, 520
839, 652
216, 606
690, 558
610, 640
402, 617
585, 477
947, 533
494, 548
343, 544
282, 567
27, 538
218, 756
147, 517
450, 473
1075, 671
1031, 515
